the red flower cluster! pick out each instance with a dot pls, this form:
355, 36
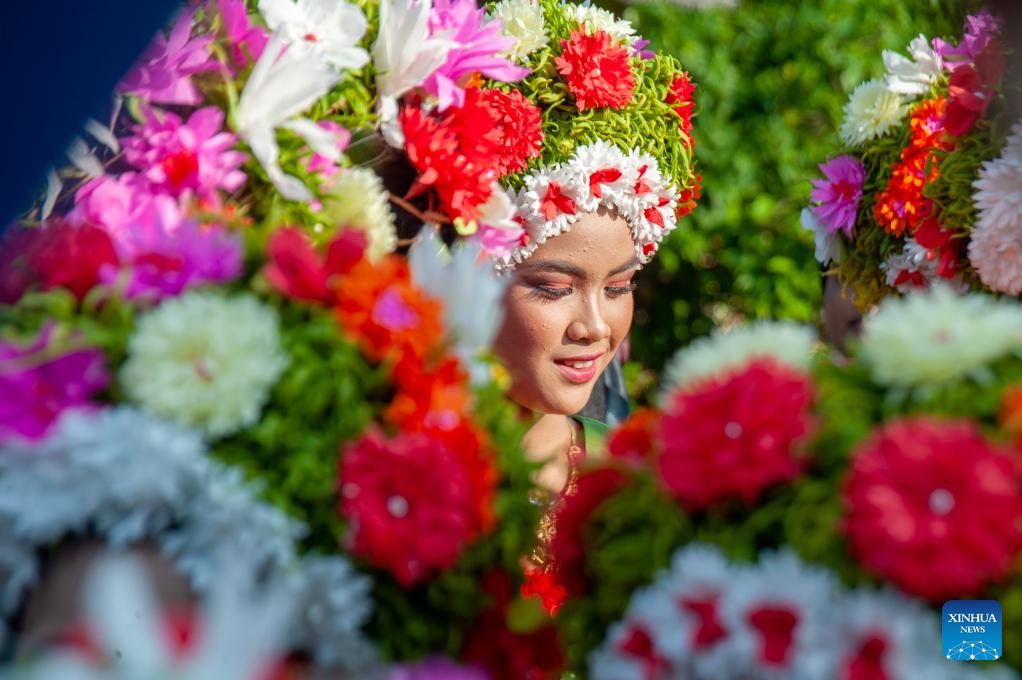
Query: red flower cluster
460, 153
680, 98
409, 504
689, 196
633, 440
59, 255
386, 313
296, 270
901, 207
597, 71
971, 88
933, 507
735, 434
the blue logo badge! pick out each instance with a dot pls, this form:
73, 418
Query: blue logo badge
971, 630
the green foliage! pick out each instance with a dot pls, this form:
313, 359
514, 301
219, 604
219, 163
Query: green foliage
772, 77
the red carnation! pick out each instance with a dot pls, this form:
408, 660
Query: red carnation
679, 97
736, 434
513, 121
933, 507
409, 504
597, 71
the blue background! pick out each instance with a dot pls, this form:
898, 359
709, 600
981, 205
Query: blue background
951, 633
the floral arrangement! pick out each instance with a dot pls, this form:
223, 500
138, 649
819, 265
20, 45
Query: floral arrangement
784, 484
927, 186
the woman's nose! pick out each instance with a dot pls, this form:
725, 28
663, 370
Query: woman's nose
589, 324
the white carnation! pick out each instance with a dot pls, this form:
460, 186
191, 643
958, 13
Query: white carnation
358, 200
522, 20
598, 19
785, 341
205, 360
913, 76
936, 335
871, 112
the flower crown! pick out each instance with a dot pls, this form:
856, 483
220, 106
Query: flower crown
919, 196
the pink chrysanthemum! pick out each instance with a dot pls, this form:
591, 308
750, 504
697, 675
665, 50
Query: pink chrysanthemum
36, 386
735, 434
478, 44
916, 498
597, 71
177, 157
995, 248
163, 74
838, 195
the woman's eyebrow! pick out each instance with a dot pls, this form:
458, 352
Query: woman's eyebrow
631, 264
557, 266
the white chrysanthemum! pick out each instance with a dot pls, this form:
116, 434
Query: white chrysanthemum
358, 200
871, 112
522, 20
995, 247
781, 582
598, 19
828, 245
787, 342
936, 335
205, 360
471, 291
913, 76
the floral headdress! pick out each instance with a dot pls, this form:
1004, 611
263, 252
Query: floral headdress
921, 194
592, 120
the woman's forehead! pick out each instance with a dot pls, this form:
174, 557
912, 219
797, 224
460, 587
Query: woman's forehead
598, 244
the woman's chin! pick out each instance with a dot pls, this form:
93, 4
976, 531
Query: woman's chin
565, 402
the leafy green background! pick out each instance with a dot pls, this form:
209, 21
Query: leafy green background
772, 77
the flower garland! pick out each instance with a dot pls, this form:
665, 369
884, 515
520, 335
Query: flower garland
919, 179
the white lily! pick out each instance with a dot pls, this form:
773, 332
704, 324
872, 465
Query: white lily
284, 83
916, 75
404, 55
472, 293
240, 636
329, 28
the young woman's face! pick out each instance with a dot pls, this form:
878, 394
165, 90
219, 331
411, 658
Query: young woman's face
567, 309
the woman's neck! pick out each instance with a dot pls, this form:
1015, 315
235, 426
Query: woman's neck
548, 442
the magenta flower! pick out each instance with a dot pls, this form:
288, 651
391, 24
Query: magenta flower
119, 204
165, 264
163, 74
837, 196
639, 48
178, 157
437, 668
478, 45
35, 387
246, 40
980, 29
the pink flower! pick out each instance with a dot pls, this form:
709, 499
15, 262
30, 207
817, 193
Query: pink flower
409, 504
838, 195
163, 73
37, 386
119, 204
178, 157
246, 41
477, 48
916, 498
166, 263
321, 164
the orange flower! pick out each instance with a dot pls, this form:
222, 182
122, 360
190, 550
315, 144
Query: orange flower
1011, 414
380, 307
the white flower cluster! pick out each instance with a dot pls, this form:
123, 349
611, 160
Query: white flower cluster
937, 335
126, 476
357, 199
995, 246
786, 342
522, 20
918, 260
709, 618
580, 189
594, 19
205, 360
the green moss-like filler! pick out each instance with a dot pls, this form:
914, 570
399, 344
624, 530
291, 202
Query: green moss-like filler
648, 123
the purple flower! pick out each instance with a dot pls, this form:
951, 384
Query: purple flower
637, 48
837, 196
980, 29
246, 41
477, 48
37, 385
163, 73
437, 668
178, 157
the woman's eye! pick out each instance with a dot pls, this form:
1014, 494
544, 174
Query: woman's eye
553, 292
621, 289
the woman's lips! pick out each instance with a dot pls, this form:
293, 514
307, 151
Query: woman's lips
579, 370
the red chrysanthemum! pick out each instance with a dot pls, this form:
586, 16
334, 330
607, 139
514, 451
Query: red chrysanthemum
596, 69
510, 120
434, 401
536, 654
386, 313
409, 504
933, 507
633, 439
679, 96
736, 434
